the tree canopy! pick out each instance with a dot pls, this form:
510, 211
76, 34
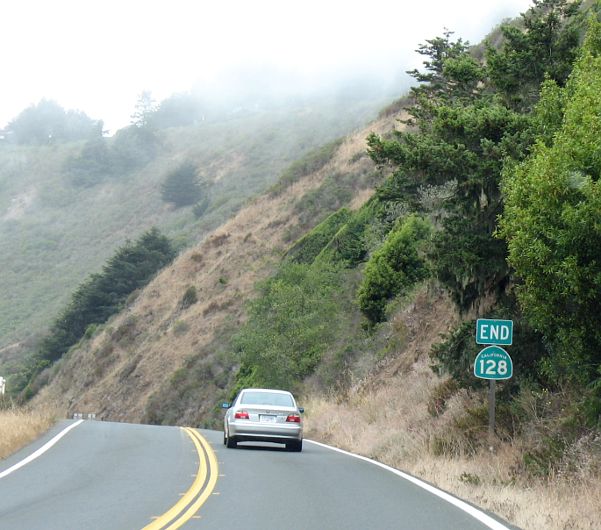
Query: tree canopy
102, 295
552, 221
48, 122
182, 186
465, 129
543, 45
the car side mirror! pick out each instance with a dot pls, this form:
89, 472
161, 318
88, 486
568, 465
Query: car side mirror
301, 410
226, 405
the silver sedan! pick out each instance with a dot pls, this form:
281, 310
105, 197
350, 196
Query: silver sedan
263, 415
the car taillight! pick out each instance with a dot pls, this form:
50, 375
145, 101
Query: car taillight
294, 418
241, 415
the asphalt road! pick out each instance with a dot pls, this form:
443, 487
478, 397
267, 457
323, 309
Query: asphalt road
115, 476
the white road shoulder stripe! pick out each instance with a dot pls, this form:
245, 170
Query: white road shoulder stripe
468, 508
40, 451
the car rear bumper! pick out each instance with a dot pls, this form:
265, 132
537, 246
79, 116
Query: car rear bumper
261, 432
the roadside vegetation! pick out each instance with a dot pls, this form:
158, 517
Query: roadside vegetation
22, 425
408, 421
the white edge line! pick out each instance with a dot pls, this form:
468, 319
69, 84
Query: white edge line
462, 505
40, 451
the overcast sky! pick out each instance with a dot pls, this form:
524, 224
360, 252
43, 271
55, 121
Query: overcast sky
97, 56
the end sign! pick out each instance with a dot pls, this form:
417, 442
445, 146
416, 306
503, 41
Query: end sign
499, 332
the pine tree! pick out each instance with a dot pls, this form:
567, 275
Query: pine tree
181, 186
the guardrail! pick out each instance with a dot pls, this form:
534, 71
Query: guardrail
84, 416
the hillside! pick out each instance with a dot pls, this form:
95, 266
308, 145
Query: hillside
125, 369
406, 416
56, 227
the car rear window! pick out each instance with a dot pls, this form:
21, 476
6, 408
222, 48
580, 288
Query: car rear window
267, 398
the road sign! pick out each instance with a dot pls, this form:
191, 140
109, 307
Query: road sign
493, 362
489, 331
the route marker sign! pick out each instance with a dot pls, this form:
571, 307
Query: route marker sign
493, 363
489, 331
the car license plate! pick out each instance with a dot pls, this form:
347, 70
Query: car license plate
266, 418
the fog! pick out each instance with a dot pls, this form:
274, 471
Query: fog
98, 56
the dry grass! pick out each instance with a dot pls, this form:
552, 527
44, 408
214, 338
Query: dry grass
388, 416
391, 424
20, 426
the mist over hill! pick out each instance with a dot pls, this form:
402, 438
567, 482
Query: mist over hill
70, 196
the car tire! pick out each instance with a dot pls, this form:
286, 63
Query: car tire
231, 443
224, 438
295, 447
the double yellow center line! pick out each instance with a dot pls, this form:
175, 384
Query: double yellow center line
198, 493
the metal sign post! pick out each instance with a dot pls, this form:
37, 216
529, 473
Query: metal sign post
492, 404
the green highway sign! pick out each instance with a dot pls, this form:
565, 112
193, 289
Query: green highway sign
489, 331
493, 362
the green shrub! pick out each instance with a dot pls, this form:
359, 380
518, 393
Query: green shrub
540, 462
348, 245
91, 165
133, 147
591, 406
181, 186
190, 297
290, 325
306, 249
551, 224
394, 267
90, 330
47, 122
